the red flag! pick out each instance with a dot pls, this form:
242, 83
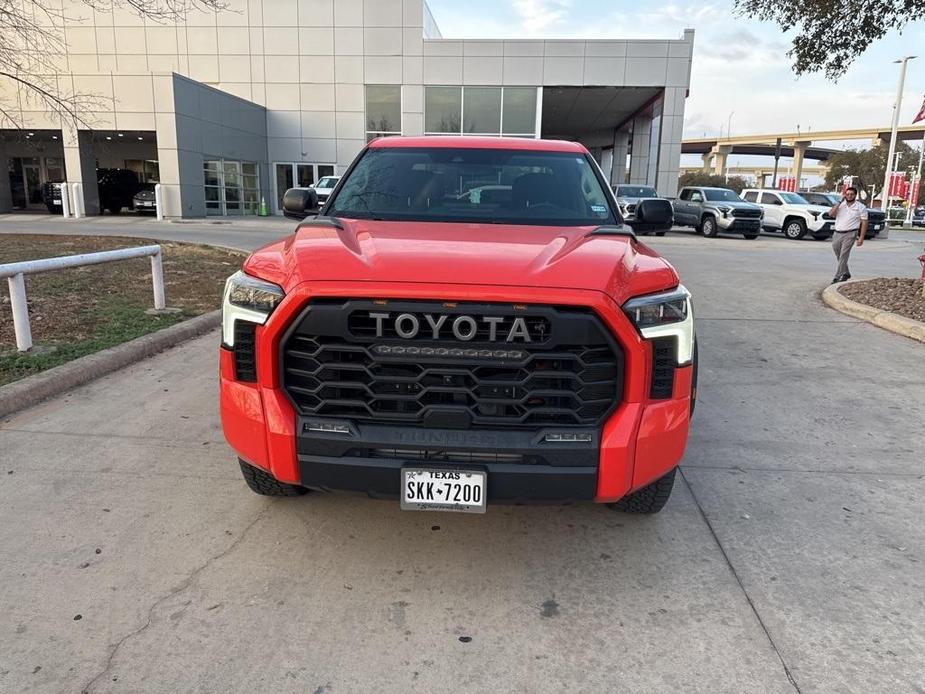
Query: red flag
920, 115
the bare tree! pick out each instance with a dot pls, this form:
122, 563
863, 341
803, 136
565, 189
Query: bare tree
32, 42
831, 35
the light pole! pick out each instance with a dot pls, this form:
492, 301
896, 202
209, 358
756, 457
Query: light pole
885, 195
728, 134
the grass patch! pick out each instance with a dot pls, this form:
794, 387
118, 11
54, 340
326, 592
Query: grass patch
84, 310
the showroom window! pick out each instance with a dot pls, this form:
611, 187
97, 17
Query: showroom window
509, 111
231, 187
383, 110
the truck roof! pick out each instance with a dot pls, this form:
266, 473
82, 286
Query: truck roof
471, 142
707, 187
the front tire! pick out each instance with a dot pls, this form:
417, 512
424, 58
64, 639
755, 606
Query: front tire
795, 229
263, 483
650, 499
710, 227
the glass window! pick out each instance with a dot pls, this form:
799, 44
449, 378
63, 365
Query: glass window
519, 111
751, 196
474, 185
442, 110
770, 199
686, 194
636, 192
325, 170
383, 109
482, 110
305, 174
721, 195
793, 199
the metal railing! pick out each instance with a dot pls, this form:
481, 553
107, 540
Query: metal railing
16, 272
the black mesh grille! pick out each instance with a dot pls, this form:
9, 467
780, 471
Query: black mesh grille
245, 358
570, 374
664, 360
744, 213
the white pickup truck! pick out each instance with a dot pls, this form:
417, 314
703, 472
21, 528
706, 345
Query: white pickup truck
791, 214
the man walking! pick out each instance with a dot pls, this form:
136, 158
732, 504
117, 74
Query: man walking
850, 225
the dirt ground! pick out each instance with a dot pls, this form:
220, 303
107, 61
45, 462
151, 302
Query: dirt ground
899, 295
83, 310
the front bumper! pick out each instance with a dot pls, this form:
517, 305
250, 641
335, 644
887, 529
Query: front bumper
641, 441
739, 223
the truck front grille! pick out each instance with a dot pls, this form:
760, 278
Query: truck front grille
336, 364
744, 213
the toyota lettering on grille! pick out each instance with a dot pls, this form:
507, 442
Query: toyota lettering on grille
463, 328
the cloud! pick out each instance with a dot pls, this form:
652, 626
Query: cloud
539, 16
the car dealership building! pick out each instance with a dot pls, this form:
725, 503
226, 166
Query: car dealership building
233, 107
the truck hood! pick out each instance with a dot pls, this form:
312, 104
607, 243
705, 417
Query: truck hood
463, 254
736, 205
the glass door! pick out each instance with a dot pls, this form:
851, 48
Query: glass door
295, 175
32, 183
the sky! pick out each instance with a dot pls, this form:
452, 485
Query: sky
740, 65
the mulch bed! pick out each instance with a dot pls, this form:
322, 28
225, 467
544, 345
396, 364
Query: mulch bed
895, 294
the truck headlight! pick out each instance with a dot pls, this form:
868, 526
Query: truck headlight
814, 214
725, 210
247, 298
667, 314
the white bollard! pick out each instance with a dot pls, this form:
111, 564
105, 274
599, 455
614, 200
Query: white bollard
21, 327
159, 202
78, 200
157, 276
65, 208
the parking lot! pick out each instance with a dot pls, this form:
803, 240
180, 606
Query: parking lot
791, 557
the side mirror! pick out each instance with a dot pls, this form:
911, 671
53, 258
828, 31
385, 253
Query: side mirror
298, 203
651, 215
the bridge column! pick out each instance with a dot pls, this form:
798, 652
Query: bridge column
621, 140
707, 158
720, 155
759, 178
799, 153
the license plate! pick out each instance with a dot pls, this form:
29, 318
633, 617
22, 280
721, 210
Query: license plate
147, 204
443, 489
877, 227
56, 202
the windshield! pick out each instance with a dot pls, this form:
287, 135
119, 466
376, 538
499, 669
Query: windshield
327, 182
793, 199
495, 186
636, 192
721, 194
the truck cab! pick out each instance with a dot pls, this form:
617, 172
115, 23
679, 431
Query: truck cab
714, 210
791, 214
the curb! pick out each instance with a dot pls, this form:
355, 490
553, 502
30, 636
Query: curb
33, 389
882, 319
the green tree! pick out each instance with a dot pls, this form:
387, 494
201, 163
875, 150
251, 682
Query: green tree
830, 35
701, 178
869, 165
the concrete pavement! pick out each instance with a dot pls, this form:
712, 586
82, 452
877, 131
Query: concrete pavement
789, 558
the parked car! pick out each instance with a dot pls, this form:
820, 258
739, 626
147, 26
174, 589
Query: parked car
324, 187
144, 200
628, 196
791, 214
453, 352
918, 217
876, 219
712, 210
117, 188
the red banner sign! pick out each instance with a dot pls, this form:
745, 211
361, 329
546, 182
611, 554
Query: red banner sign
788, 183
914, 193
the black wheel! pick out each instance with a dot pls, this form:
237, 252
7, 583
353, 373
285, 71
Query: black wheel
822, 237
650, 499
751, 235
263, 483
795, 229
710, 227
659, 233
115, 210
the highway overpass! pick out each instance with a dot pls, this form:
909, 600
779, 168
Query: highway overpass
798, 145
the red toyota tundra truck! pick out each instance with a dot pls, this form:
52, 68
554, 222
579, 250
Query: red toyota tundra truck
466, 322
